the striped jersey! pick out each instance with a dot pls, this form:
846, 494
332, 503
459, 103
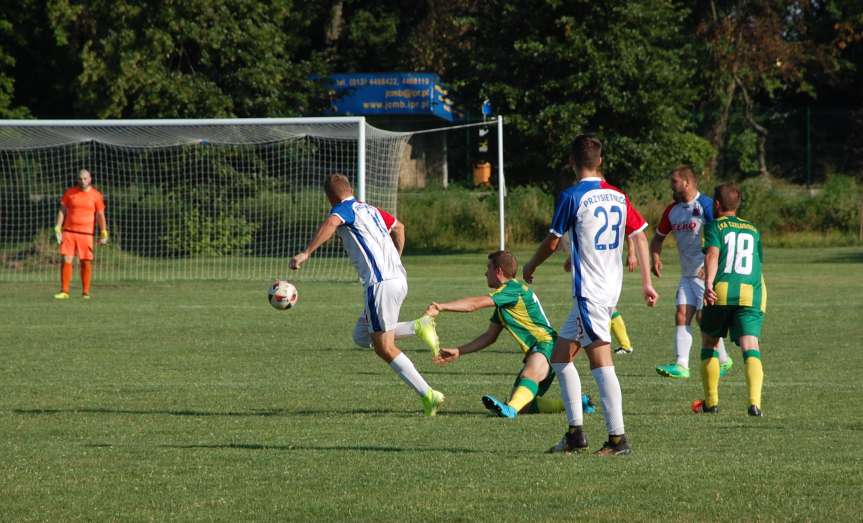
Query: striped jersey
738, 280
518, 310
597, 216
687, 220
365, 233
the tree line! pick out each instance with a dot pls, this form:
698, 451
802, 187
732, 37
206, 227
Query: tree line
735, 87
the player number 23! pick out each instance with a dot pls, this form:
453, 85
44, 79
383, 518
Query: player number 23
599, 242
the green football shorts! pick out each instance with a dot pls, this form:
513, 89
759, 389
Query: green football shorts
718, 320
544, 348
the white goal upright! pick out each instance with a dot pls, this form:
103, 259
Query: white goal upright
190, 199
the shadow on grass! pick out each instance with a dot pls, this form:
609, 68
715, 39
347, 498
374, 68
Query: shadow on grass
448, 372
342, 349
254, 413
179, 412
345, 448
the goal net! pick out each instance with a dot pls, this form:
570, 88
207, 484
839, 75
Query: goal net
205, 199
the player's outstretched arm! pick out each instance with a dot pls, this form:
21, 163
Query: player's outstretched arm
325, 232
449, 355
545, 249
656, 254
473, 303
711, 266
640, 242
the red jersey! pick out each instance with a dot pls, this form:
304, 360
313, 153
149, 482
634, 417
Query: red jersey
81, 208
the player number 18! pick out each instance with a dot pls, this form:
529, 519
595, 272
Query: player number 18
741, 248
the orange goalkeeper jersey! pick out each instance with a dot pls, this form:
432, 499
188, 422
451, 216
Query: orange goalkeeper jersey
81, 208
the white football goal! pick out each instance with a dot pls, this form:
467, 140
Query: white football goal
192, 199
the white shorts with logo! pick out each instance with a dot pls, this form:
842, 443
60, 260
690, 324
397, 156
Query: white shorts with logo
690, 291
587, 323
382, 303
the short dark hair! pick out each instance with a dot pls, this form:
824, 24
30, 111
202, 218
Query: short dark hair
686, 172
728, 196
586, 151
505, 261
337, 184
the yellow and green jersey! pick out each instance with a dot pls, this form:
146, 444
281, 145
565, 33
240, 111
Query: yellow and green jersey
739, 280
518, 310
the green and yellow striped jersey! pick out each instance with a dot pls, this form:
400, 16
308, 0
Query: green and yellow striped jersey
518, 310
739, 280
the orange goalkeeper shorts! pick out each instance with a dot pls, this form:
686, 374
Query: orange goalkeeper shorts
77, 244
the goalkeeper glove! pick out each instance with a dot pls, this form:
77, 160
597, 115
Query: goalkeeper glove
103, 235
58, 234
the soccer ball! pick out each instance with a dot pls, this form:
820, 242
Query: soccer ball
282, 295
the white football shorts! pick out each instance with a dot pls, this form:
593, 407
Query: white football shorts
383, 301
587, 323
690, 291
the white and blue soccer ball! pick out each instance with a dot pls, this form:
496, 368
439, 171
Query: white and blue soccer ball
282, 295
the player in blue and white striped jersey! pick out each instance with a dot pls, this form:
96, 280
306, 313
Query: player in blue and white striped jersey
374, 240
598, 217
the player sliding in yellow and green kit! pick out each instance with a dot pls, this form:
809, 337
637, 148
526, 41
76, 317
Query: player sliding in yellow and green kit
516, 309
735, 298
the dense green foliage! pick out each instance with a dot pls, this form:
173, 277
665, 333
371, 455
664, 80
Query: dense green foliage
196, 401
621, 69
721, 84
459, 219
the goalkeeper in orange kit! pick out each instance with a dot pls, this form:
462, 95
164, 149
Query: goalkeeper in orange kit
80, 208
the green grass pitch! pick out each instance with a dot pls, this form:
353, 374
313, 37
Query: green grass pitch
197, 401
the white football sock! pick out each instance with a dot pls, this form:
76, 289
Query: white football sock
611, 397
404, 329
720, 348
570, 391
404, 367
683, 344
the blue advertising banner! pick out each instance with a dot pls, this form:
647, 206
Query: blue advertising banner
370, 94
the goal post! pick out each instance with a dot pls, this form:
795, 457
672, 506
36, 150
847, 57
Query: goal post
501, 187
191, 199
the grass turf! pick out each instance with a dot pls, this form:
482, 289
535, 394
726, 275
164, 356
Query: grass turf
197, 401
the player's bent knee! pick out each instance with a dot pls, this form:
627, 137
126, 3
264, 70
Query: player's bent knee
385, 351
536, 368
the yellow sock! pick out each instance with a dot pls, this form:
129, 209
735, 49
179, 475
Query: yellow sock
710, 376
521, 396
618, 328
549, 406
754, 375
